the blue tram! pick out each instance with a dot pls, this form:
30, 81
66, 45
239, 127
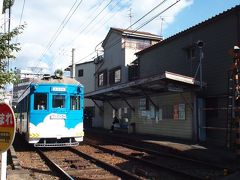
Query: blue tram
51, 112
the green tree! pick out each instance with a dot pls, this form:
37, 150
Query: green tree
7, 50
58, 73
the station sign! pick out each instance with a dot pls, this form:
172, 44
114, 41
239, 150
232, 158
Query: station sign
7, 127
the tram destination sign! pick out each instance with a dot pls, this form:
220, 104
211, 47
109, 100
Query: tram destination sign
58, 89
7, 127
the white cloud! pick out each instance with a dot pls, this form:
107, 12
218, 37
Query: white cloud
44, 17
45, 128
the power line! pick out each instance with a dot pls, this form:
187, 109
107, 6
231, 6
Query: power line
147, 13
93, 19
119, 40
87, 20
98, 22
145, 23
60, 28
154, 17
20, 21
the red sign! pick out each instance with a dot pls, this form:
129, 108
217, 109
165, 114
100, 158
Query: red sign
7, 126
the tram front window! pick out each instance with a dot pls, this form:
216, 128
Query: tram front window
40, 101
75, 102
58, 101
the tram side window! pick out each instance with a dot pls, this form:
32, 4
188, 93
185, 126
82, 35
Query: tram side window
40, 101
75, 103
58, 101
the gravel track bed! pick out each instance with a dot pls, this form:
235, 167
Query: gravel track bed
31, 161
131, 166
181, 165
77, 166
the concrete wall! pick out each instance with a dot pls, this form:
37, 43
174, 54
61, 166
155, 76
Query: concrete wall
87, 79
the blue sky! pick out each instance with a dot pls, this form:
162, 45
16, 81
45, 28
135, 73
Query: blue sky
90, 24
199, 11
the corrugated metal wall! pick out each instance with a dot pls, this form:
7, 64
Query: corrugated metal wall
165, 127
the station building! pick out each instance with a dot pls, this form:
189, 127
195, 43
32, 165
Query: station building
177, 87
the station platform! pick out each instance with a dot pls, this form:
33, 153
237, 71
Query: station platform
204, 152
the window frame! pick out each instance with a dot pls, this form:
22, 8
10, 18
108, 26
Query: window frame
65, 101
112, 75
36, 108
79, 104
80, 72
103, 79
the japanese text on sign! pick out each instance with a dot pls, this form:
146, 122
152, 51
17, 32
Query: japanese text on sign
6, 119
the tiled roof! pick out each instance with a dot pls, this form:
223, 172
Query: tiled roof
127, 31
132, 33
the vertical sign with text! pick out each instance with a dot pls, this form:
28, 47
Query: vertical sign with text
7, 127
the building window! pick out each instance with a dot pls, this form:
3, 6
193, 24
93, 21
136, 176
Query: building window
102, 78
115, 76
80, 72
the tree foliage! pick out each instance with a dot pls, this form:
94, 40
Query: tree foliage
7, 50
7, 4
58, 72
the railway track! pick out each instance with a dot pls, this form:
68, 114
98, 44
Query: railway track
97, 159
69, 165
91, 162
180, 166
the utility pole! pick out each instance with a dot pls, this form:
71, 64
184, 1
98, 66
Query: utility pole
130, 16
73, 64
161, 18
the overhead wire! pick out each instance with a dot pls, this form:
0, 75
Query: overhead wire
92, 20
21, 16
154, 17
95, 17
99, 22
144, 24
87, 20
60, 29
62, 26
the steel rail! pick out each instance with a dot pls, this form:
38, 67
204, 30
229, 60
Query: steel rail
151, 164
149, 151
54, 167
153, 152
113, 169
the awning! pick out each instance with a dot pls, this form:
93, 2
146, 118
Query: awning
166, 82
